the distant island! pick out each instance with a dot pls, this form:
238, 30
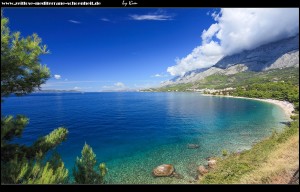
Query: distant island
57, 91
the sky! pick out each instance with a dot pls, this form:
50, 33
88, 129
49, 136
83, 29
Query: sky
113, 49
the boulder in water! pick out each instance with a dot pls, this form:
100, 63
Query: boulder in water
193, 146
164, 170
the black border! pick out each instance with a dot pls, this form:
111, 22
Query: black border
166, 4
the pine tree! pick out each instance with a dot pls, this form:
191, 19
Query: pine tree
84, 171
22, 73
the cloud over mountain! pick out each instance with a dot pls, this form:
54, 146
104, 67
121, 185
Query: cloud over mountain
236, 30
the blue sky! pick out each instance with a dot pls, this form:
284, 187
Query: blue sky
111, 48
102, 49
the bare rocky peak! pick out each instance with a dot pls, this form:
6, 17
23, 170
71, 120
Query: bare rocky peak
279, 54
289, 59
262, 57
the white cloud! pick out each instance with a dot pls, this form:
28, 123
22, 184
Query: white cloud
57, 76
201, 57
119, 84
76, 88
236, 30
245, 29
74, 21
105, 19
106, 87
151, 17
215, 15
159, 15
160, 75
208, 34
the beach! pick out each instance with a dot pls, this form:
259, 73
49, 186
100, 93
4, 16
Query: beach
286, 106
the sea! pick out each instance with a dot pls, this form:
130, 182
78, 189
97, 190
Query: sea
134, 132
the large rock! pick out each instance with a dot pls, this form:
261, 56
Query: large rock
164, 170
202, 170
212, 163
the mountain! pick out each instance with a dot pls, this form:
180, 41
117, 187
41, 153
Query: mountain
280, 54
261, 58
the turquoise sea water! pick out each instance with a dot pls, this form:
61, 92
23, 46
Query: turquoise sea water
135, 132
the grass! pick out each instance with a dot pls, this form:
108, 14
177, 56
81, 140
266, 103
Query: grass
280, 165
272, 160
224, 152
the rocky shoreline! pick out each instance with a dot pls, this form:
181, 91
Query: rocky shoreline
168, 170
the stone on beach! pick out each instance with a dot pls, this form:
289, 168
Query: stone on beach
212, 163
202, 170
164, 170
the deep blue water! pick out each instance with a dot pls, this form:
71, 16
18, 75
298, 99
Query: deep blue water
135, 132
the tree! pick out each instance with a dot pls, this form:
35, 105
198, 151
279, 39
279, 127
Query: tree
84, 171
22, 73
21, 70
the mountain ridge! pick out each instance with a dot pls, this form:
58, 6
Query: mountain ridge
280, 54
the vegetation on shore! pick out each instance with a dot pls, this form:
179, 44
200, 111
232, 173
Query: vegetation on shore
84, 170
221, 81
22, 73
271, 160
284, 91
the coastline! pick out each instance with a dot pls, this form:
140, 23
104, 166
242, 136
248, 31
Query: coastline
274, 168
287, 107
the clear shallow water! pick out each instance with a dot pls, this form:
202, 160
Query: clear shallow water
135, 132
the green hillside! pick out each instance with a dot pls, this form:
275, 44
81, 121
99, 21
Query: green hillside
218, 81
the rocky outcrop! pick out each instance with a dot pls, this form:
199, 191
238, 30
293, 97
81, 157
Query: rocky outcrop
290, 59
202, 170
164, 170
212, 163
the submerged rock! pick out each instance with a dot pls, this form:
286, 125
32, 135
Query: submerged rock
164, 170
193, 146
177, 175
202, 170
